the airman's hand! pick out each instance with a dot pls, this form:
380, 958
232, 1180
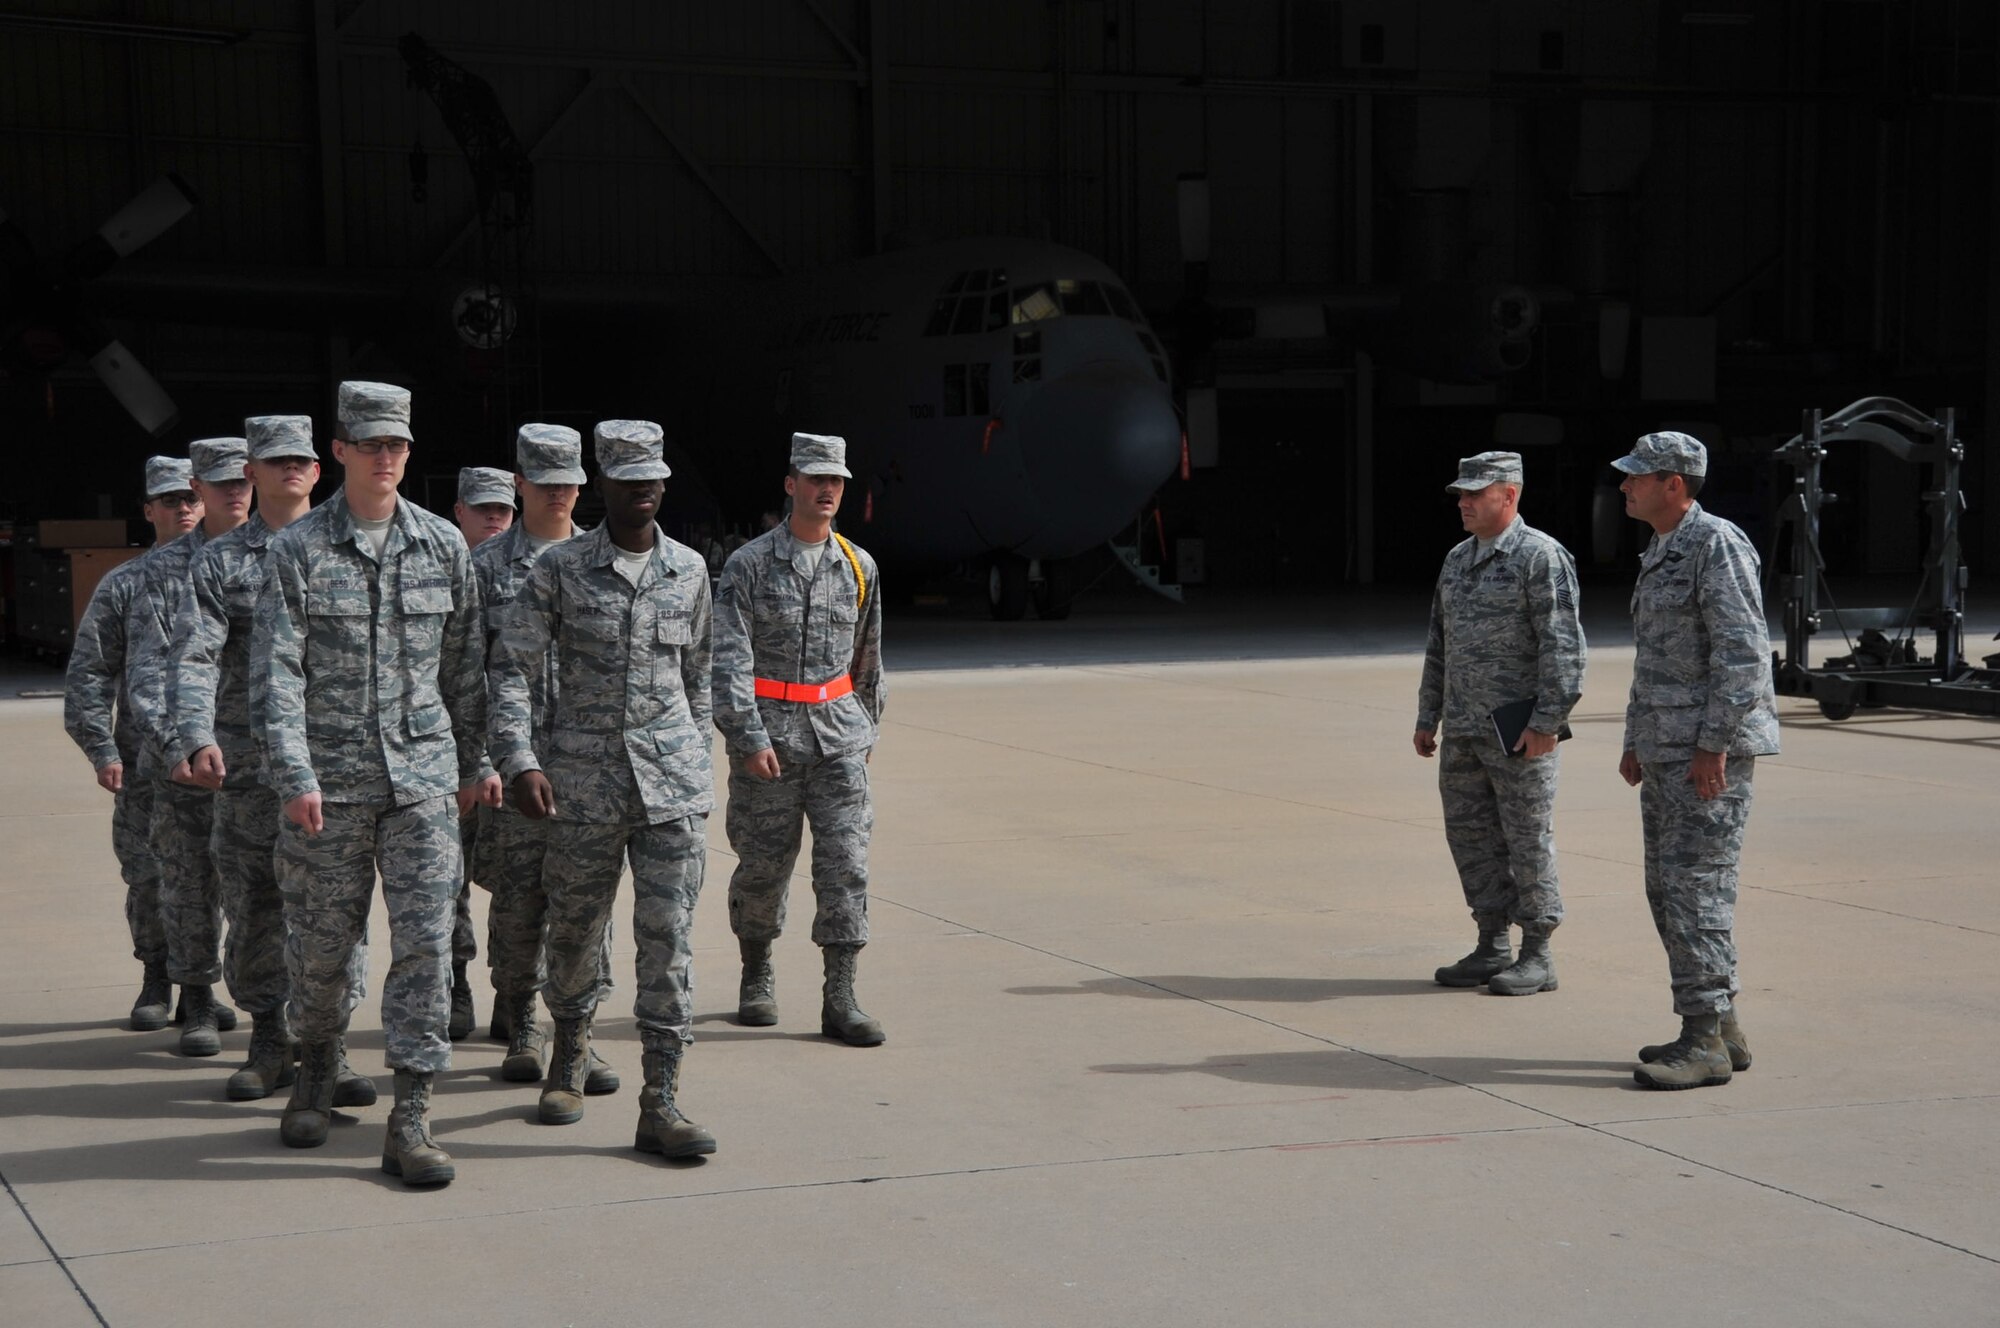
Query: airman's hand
1426, 743
111, 778
1629, 767
534, 796
763, 764
305, 813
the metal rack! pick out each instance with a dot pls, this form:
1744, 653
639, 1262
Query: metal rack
1884, 669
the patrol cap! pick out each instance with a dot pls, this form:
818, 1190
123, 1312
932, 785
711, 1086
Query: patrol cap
218, 460
374, 410
165, 474
820, 454
630, 450
549, 454
274, 436
484, 484
1669, 450
1488, 468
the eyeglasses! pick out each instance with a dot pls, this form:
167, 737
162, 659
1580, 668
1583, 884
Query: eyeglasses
372, 446
176, 500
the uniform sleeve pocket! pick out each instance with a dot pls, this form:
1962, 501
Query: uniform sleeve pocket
673, 741
428, 720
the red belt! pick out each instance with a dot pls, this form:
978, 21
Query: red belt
811, 693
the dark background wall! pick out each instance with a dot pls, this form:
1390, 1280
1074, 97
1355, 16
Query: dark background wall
1789, 203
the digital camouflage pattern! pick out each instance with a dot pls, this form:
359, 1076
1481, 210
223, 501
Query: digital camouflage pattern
627, 756
1499, 814
398, 706
766, 817
777, 617
1504, 627
631, 704
1701, 680
328, 884
1693, 846
190, 888
1702, 676
668, 860
183, 816
97, 715
243, 844
374, 698
208, 678
97, 707
510, 847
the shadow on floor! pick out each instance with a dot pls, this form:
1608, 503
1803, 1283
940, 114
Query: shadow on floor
1338, 1069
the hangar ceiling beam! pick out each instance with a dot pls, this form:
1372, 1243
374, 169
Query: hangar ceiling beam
854, 55
584, 92
697, 169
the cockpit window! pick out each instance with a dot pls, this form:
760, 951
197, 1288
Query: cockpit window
980, 300
1036, 304
974, 301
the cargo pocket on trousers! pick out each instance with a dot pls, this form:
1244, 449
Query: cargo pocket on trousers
1715, 899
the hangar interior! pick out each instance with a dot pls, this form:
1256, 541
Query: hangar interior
1364, 238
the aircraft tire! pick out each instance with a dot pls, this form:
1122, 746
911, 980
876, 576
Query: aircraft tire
1055, 593
1007, 587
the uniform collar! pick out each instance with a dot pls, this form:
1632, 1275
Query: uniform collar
256, 532
1504, 542
516, 548
1661, 545
599, 551
340, 519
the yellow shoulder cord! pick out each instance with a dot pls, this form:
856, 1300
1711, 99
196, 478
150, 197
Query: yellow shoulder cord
860, 580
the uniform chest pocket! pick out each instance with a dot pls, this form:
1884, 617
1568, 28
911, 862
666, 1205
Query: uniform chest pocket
339, 602
1665, 592
595, 623
240, 603
674, 631
424, 597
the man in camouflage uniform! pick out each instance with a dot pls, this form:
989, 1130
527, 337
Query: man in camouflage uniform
798, 696
621, 767
484, 511
1504, 629
512, 846
216, 746
97, 685
367, 648
1702, 711
184, 812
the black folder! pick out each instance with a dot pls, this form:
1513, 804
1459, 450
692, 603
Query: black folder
1511, 719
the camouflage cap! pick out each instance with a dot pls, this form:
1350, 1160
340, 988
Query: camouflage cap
820, 454
630, 450
375, 410
1654, 452
1488, 468
274, 436
165, 474
549, 454
484, 484
218, 460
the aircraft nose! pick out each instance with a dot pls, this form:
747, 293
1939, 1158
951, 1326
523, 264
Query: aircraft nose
1095, 443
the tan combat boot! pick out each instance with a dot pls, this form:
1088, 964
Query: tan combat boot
839, 1016
569, 1065
459, 1026
1696, 1059
1733, 1039
310, 1112
1493, 953
757, 997
156, 997
269, 1066
408, 1149
1534, 971
201, 1033
350, 1088
662, 1128
527, 1039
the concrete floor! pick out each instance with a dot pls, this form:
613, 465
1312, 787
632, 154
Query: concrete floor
1153, 944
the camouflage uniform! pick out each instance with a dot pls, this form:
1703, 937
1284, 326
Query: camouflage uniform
213, 703
625, 747
777, 618
183, 815
1504, 628
372, 697
97, 685
511, 847
1701, 679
